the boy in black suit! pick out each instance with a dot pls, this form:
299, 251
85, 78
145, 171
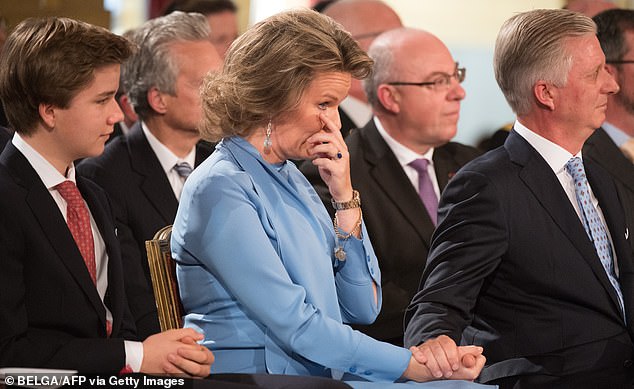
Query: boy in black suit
62, 301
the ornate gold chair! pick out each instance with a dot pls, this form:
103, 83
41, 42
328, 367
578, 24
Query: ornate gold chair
164, 283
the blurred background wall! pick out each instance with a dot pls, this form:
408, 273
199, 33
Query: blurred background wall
468, 27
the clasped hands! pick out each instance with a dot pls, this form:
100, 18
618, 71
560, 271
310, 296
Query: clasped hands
441, 358
176, 352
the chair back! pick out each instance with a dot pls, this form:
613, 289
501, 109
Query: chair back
164, 282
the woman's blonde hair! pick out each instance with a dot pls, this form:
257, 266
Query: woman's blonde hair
269, 67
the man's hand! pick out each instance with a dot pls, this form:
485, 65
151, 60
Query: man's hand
444, 358
472, 362
176, 352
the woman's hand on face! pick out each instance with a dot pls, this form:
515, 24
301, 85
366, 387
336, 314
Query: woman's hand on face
330, 156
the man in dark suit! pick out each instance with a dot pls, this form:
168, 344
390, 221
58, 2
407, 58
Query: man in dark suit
531, 258
615, 30
411, 122
364, 20
62, 300
142, 173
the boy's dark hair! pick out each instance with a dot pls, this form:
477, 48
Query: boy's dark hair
49, 60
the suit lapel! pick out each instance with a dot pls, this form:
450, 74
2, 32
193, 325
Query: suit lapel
53, 225
154, 185
106, 229
388, 175
540, 180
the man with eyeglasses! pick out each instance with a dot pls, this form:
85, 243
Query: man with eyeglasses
364, 20
609, 145
415, 94
531, 259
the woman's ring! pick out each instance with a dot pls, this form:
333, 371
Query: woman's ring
339, 155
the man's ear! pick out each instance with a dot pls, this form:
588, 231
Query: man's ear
545, 93
389, 98
47, 114
126, 106
156, 101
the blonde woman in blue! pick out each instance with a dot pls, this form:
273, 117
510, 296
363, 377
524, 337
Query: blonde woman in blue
263, 272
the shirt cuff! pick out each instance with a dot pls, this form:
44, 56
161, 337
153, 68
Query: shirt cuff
133, 355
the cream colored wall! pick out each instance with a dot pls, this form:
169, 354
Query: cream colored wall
468, 27
460, 22
128, 14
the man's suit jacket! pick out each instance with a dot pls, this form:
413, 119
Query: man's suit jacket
512, 269
3, 117
5, 137
346, 123
601, 149
143, 202
50, 312
399, 226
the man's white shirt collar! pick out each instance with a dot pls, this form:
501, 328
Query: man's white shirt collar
555, 156
49, 175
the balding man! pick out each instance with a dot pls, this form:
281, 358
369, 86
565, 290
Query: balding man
364, 20
415, 94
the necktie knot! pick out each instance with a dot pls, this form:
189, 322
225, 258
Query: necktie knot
420, 165
71, 194
574, 167
183, 169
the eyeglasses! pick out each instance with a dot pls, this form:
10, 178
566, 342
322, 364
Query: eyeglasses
443, 82
618, 62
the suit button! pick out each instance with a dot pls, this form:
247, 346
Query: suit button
628, 363
353, 369
368, 372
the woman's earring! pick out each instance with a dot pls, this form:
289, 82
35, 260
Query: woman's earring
267, 139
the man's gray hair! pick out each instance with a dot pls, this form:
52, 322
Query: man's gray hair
152, 66
531, 47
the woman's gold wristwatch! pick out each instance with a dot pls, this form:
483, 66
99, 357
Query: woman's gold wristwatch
354, 203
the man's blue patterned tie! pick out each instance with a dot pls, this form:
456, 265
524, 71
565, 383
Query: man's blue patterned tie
592, 223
